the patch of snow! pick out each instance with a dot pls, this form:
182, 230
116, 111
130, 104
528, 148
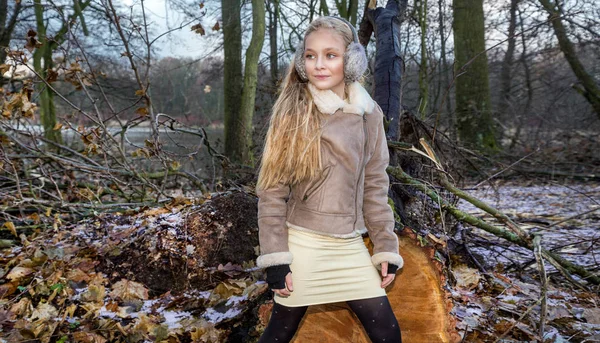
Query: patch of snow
72, 320
234, 300
216, 317
553, 336
147, 307
78, 293
172, 318
106, 313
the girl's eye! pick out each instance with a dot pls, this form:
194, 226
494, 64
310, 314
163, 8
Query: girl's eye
309, 56
330, 55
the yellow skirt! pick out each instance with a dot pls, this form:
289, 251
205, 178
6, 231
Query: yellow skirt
329, 269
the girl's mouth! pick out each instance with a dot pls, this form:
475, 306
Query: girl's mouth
321, 77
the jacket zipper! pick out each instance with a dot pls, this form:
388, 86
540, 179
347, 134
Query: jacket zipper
366, 139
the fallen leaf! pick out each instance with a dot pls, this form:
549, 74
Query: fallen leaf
18, 273
592, 315
127, 290
44, 312
88, 337
466, 277
11, 227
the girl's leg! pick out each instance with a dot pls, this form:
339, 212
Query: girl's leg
378, 319
283, 324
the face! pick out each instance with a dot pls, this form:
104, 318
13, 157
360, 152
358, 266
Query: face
324, 55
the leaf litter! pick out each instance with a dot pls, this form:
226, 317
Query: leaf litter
506, 298
183, 272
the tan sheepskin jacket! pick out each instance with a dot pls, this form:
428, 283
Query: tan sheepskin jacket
349, 196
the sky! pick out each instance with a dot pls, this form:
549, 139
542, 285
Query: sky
181, 42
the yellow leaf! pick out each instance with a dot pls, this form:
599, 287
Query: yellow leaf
128, 290
57, 126
143, 111
11, 227
140, 92
430, 153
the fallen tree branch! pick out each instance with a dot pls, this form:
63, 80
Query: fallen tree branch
512, 237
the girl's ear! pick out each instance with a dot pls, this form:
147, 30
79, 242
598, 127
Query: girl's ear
300, 62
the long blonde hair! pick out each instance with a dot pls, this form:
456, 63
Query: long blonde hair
292, 150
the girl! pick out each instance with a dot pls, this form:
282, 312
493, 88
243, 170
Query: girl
322, 183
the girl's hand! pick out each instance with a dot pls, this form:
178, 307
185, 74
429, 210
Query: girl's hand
387, 278
285, 292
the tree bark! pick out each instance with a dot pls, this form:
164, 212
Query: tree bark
250, 78
444, 71
388, 61
274, 57
473, 109
232, 79
7, 26
43, 56
590, 90
505, 74
421, 8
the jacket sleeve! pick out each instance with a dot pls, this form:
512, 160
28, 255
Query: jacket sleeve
379, 217
272, 231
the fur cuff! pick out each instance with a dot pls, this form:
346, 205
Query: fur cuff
388, 257
274, 259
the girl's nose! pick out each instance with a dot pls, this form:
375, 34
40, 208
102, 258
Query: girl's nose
319, 62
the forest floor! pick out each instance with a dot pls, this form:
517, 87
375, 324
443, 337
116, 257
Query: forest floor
181, 273
567, 215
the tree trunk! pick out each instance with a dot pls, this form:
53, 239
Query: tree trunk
274, 57
323, 8
444, 72
421, 8
43, 55
353, 11
388, 62
250, 78
590, 90
473, 110
7, 26
505, 74
528, 85
232, 80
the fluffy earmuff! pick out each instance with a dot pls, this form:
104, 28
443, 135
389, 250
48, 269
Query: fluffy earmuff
355, 58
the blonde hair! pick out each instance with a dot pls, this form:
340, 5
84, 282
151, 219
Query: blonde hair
292, 150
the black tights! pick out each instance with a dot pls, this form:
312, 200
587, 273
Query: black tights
375, 314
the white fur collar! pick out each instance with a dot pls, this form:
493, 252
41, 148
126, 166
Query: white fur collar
328, 102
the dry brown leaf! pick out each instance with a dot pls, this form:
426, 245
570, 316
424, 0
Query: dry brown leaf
198, 28
127, 290
44, 312
77, 275
207, 333
592, 315
94, 293
88, 337
18, 273
466, 277
21, 309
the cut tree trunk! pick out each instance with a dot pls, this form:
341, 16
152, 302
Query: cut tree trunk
417, 296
